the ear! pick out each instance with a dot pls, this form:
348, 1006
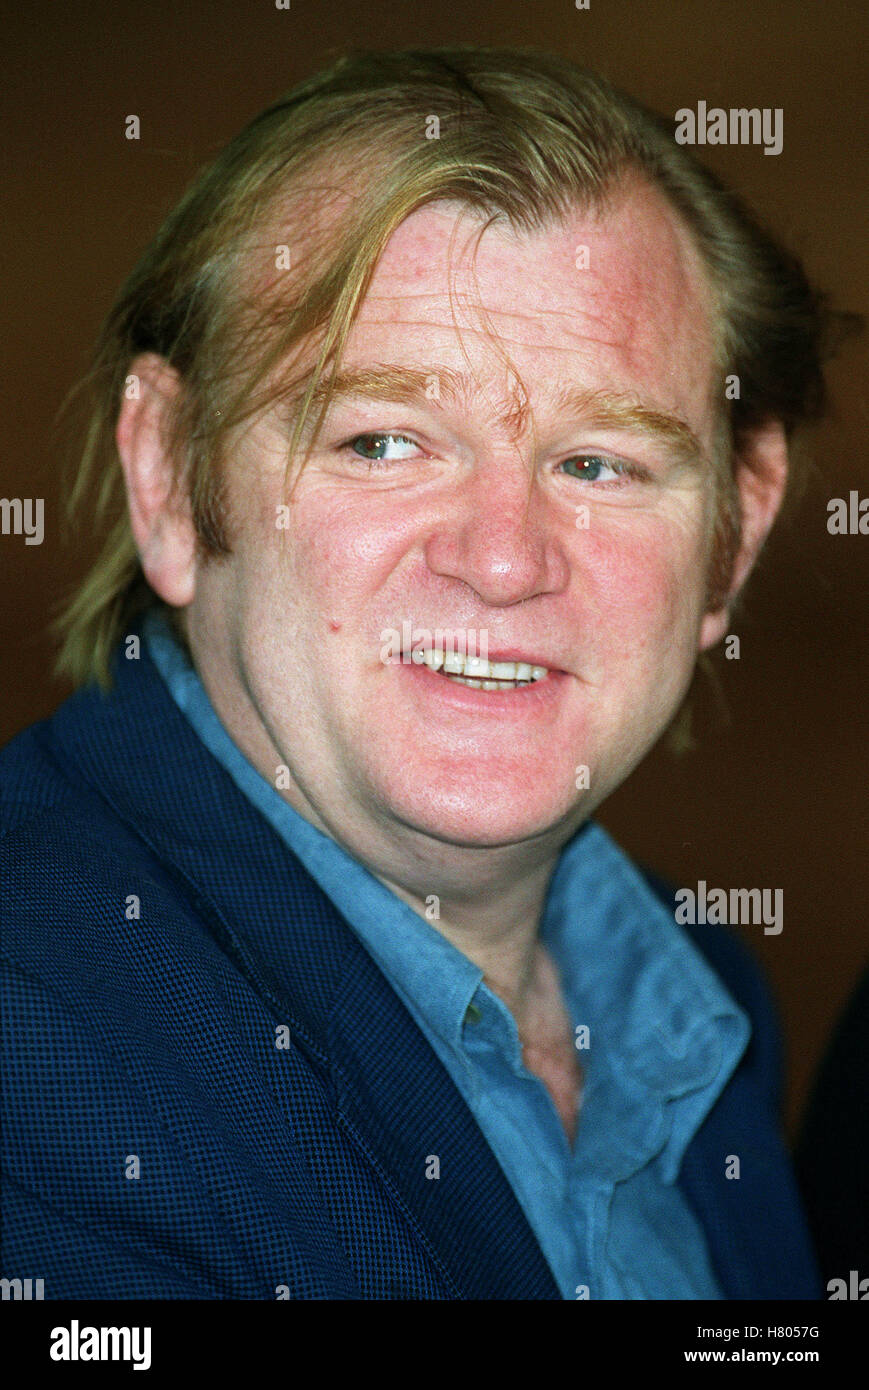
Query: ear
761, 479
159, 509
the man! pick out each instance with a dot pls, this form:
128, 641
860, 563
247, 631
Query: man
451, 408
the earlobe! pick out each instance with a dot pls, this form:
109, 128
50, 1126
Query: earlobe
159, 510
761, 478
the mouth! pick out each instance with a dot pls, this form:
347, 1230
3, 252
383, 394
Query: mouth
479, 673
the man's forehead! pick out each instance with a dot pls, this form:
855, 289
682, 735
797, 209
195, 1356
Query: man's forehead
616, 295
634, 243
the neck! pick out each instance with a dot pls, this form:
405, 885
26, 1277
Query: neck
494, 923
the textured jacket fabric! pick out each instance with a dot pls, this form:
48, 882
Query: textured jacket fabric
211, 1090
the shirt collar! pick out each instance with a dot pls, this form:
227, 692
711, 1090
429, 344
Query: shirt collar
655, 1010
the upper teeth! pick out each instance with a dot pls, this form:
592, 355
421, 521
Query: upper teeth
475, 666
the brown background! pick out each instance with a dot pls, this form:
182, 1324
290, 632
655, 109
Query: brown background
774, 798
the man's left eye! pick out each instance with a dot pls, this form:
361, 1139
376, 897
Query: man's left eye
375, 446
592, 468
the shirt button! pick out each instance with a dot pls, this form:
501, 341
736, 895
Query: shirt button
472, 1014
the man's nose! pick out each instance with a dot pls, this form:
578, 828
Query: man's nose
502, 537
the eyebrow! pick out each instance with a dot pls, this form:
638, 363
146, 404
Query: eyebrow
600, 409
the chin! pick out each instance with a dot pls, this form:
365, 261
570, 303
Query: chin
473, 819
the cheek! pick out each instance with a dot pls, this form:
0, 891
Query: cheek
342, 549
645, 578
304, 544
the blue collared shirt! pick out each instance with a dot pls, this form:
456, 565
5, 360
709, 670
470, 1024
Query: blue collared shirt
658, 1037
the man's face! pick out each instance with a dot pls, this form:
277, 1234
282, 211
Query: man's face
574, 535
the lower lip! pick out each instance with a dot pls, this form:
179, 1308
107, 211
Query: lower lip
523, 701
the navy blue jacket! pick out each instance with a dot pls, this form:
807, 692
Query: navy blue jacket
149, 1045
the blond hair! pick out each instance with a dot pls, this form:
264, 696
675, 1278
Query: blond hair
339, 163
